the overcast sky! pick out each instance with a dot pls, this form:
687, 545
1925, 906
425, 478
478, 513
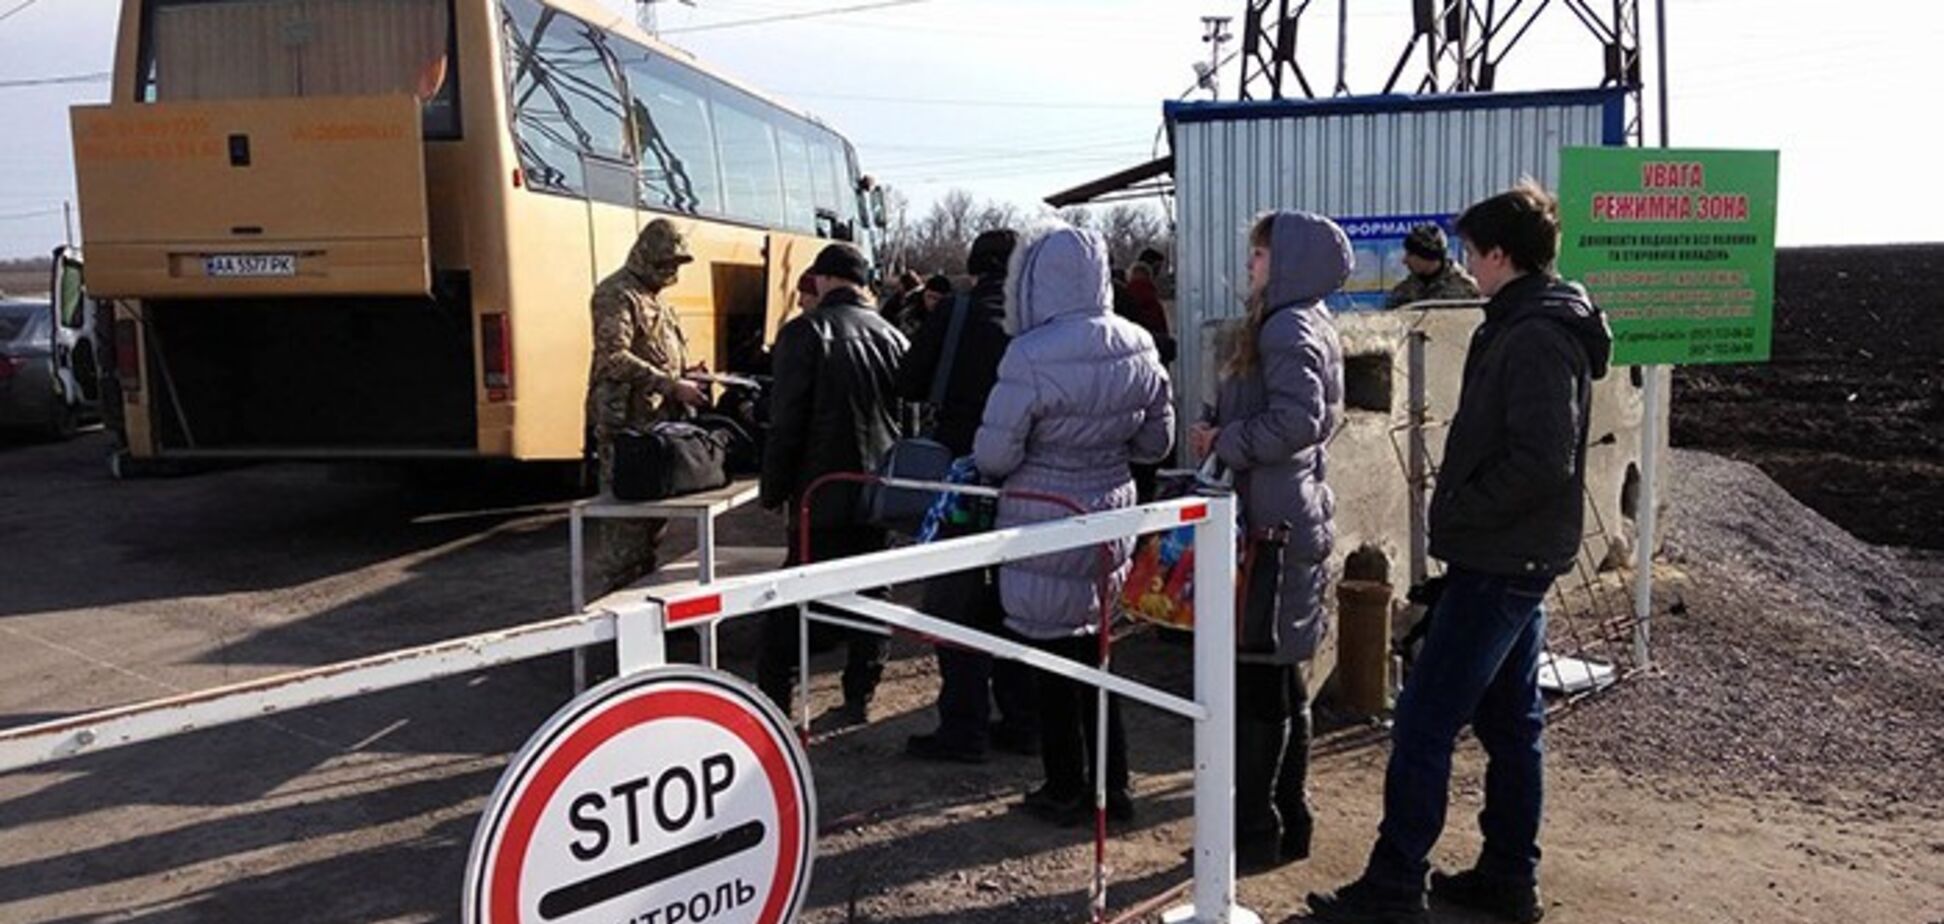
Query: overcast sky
1015, 99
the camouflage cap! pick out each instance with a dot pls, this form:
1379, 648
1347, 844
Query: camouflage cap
660, 244
1426, 240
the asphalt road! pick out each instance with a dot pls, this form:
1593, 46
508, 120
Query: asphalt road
114, 592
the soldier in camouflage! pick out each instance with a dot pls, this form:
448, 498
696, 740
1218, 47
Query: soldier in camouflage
636, 381
1433, 275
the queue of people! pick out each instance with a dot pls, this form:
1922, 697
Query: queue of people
1051, 391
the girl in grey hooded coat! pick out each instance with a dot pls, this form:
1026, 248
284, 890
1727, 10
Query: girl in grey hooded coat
1081, 394
1279, 402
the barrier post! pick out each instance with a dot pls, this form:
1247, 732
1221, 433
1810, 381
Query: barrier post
1215, 568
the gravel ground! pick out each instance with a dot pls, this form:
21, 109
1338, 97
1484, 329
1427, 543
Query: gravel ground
1796, 658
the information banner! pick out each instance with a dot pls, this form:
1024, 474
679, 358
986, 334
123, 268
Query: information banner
1378, 245
1677, 246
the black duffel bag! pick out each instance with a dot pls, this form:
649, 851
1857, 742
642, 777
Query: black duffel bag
742, 454
670, 459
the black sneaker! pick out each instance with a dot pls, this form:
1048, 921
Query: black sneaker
936, 748
1365, 902
1120, 806
1500, 898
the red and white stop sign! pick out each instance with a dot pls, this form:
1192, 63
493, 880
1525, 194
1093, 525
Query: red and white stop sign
674, 796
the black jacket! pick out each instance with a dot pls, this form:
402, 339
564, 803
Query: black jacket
833, 404
981, 345
1511, 490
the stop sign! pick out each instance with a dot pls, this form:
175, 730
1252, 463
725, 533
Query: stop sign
673, 796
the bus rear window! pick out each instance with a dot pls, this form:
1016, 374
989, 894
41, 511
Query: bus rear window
268, 49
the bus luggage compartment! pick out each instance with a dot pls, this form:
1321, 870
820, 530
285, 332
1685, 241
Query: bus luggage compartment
314, 377
293, 197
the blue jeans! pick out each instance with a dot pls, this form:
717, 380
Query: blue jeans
1479, 665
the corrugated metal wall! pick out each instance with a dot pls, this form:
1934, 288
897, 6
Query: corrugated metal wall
1347, 158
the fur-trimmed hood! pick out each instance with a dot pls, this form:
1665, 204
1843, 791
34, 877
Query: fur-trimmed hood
1056, 271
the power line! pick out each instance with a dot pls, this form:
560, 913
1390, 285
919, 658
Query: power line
23, 5
785, 17
991, 103
33, 214
1118, 147
95, 77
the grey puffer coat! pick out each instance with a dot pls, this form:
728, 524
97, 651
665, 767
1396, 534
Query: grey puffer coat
1276, 420
1081, 393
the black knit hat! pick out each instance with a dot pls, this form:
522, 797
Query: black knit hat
1426, 241
842, 261
938, 283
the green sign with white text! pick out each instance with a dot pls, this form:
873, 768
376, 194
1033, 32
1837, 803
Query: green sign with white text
1677, 246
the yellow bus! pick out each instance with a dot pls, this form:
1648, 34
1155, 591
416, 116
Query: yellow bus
369, 228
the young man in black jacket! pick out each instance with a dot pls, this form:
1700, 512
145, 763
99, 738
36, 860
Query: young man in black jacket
833, 408
1506, 519
970, 681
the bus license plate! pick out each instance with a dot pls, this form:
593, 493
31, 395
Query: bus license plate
251, 264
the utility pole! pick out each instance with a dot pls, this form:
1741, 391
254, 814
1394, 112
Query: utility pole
1215, 34
1343, 49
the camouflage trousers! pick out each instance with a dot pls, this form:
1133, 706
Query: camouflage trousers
623, 551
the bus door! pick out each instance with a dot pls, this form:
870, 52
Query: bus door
788, 255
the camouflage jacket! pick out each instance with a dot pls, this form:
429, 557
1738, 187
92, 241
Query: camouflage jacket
1450, 282
639, 352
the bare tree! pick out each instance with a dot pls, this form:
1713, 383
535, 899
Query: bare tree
937, 241
1130, 229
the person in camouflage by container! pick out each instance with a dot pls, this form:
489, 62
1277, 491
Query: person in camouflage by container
1433, 275
636, 381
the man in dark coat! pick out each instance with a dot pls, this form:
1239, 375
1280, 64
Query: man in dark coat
970, 681
1506, 519
833, 409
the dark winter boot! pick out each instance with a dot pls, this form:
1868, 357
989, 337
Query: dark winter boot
1365, 902
1258, 827
1292, 791
1500, 898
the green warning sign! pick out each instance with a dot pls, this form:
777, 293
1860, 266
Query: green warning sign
1677, 246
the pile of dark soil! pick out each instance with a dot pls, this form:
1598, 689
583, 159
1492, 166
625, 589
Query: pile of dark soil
1849, 413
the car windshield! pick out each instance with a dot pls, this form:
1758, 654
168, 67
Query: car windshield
24, 323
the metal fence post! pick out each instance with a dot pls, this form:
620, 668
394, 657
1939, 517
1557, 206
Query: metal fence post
1647, 509
803, 670
640, 637
1416, 470
1215, 567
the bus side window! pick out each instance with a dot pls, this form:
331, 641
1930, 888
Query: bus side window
799, 192
564, 96
752, 181
675, 139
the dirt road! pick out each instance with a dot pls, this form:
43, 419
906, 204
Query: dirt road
362, 811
